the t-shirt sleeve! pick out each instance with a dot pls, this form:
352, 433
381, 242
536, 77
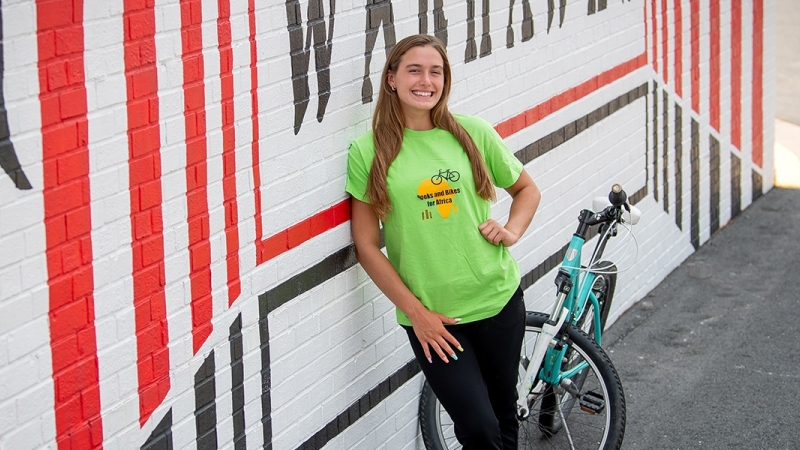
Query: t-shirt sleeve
504, 167
357, 173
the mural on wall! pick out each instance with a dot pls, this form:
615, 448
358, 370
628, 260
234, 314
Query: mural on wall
674, 115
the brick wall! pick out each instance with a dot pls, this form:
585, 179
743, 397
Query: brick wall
176, 267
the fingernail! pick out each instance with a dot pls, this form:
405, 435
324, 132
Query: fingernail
458, 320
460, 348
455, 358
430, 360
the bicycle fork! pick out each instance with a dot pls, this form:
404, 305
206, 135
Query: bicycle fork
543, 343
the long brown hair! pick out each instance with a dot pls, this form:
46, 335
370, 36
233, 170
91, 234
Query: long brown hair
388, 124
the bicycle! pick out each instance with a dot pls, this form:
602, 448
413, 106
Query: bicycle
569, 393
449, 175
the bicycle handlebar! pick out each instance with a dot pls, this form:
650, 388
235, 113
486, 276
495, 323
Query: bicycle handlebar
618, 200
614, 208
617, 196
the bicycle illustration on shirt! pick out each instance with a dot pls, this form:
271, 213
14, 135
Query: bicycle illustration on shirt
449, 175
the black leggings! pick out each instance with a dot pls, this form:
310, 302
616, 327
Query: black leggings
479, 389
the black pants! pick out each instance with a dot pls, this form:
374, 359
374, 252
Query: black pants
479, 389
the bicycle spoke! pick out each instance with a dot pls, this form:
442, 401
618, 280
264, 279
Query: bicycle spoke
566, 426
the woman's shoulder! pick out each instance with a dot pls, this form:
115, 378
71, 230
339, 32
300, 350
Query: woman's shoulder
364, 138
363, 143
473, 124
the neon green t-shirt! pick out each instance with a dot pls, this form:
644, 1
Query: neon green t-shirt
431, 233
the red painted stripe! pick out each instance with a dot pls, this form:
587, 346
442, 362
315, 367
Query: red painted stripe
147, 228
758, 82
694, 6
557, 102
654, 36
664, 39
315, 225
196, 170
678, 47
644, 14
305, 230
736, 73
68, 223
251, 14
228, 149
714, 65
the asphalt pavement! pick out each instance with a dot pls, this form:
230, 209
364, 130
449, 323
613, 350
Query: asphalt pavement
710, 359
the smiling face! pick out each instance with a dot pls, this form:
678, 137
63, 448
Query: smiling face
419, 82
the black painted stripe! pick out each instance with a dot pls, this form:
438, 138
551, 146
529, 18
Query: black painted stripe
655, 141
714, 181
237, 383
8, 156
694, 160
758, 186
679, 166
578, 126
161, 437
362, 406
665, 152
344, 259
312, 277
736, 185
266, 374
205, 404
647, 137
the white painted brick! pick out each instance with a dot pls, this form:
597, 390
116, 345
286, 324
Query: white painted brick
13, 312
14, 248
25, 435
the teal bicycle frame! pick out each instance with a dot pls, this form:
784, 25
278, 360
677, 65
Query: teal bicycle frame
574, 305
574, 285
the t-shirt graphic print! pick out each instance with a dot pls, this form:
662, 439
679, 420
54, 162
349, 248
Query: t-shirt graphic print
437, 194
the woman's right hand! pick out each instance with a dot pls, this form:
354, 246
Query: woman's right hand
429, 327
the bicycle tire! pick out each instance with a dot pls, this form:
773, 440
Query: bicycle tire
603, 430
434, 422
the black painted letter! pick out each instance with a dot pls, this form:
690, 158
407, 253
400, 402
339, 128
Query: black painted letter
323, 47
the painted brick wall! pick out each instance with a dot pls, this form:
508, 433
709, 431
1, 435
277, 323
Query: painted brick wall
176, 267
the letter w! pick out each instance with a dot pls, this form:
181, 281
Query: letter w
300, 54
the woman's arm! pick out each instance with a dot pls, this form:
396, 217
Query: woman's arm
525, 197
428, 325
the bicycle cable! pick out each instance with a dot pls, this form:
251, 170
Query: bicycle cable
592, 260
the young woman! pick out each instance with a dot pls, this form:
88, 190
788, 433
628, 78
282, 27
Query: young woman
429, 176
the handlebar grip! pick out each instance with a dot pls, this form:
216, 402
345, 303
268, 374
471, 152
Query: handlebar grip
617, 196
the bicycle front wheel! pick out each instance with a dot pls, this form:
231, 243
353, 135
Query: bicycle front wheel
593, 420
